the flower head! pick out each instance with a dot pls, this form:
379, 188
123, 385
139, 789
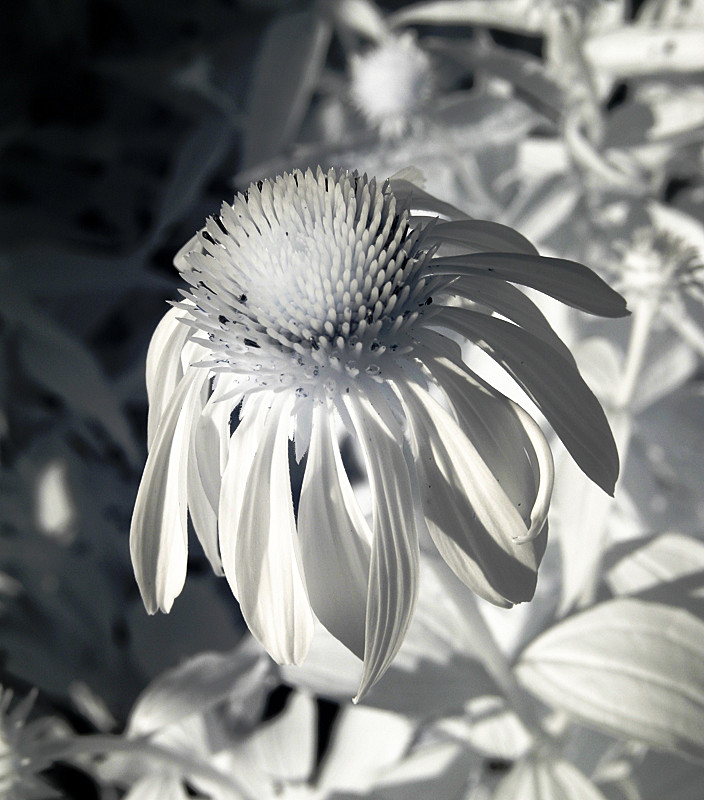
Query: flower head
18, 741
391, 82
319, 299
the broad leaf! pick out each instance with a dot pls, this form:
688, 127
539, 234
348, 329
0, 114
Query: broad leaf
628, 667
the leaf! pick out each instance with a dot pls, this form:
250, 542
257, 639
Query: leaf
285, 74
192, 687
638, 50
366, 742
62, 365
490, 727
670, 558
521, 16
549, 779
627, 667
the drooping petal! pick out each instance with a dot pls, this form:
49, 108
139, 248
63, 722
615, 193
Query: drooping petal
394, 567
241, 448
335, 539
203, 474
159, 530
273, 596
512, 303
553, 383
164, 370
507, 438
568, 281
471, 519
481, 235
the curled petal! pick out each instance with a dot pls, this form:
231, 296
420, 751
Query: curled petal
241, 448
164, 369
507, 438
273, 596
159, 530
553, 383
395, 557
205, 457
473, 522
335, 539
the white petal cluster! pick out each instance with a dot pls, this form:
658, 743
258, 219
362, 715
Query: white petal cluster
326, 299
391, 82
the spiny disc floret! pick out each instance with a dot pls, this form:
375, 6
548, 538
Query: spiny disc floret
308, 279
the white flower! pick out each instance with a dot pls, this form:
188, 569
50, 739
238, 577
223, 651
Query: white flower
319, 297
391, 82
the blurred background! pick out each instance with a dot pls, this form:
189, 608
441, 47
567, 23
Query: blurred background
125, 123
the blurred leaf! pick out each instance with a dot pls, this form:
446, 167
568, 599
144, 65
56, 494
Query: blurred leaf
202, 151
522, 16
526, 73
553, 779
491, 728
284, 747
628, 667
366, 742
192, 687
438, 770
665, 559
634, 50
64, 367
671, 12
286, 72
361, 16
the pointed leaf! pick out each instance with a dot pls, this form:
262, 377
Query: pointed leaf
285, 75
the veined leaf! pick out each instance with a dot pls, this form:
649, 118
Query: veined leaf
628, 667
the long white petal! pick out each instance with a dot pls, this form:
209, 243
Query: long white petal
242, 446
507, 438
273, 596
512, 303
159, 530
164, 370
394, 568
471, 519
554, 384
481, 235
568, 281
210, 436
334, 539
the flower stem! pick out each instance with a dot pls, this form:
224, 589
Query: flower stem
643, 317
621, 421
